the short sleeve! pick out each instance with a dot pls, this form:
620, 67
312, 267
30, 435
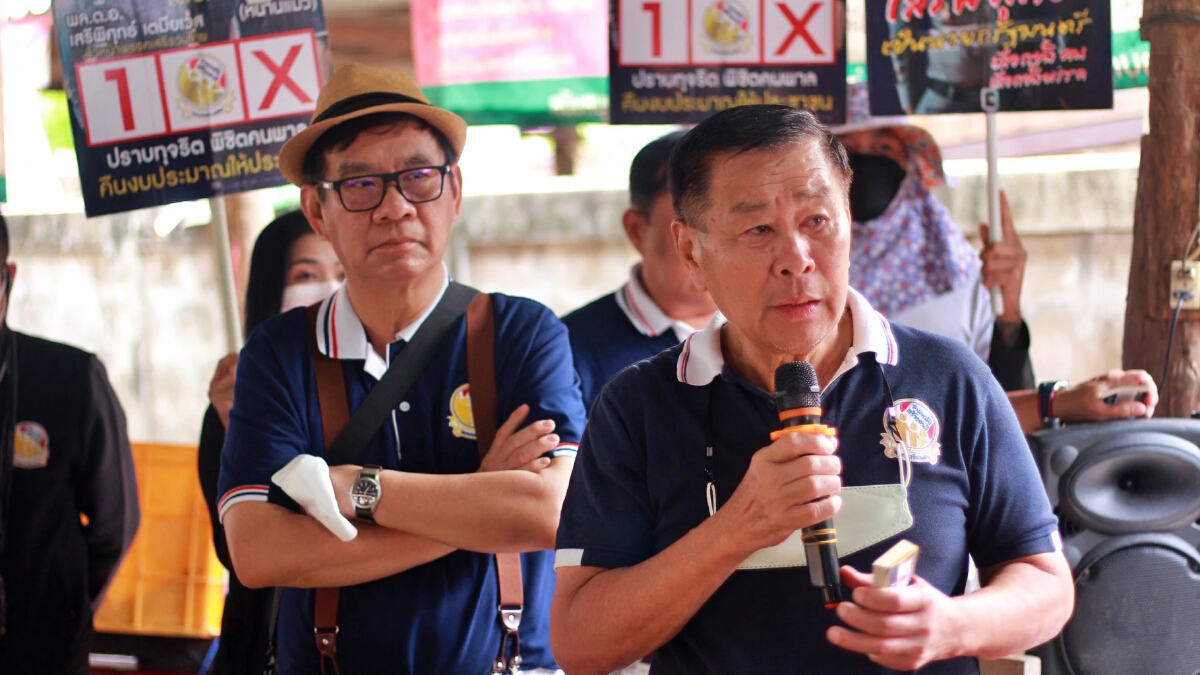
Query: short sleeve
1009, 516
983, 318
267, 424
607, 518
537, 365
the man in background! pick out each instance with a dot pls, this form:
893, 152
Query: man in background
68, 496
659, 306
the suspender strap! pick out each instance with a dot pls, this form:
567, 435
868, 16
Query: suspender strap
481, 378
335, 413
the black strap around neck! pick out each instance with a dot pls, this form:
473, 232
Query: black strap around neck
348, 447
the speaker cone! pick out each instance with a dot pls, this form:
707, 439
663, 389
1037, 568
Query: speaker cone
1134, 482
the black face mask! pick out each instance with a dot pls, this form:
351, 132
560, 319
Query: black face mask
876, 182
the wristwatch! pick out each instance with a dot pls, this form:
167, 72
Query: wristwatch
1046, 392
365, 492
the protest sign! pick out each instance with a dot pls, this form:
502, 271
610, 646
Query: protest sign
186, 99
679, 61
936, 56
513, 62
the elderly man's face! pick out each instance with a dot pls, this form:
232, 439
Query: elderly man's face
398, 240
773, 247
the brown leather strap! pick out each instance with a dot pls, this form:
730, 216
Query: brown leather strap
335, 413
331, 385
481, 379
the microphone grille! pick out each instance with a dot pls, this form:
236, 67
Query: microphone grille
796, 386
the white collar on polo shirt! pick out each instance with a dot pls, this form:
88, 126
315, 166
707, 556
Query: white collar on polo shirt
341, 335
645, 314
701, 360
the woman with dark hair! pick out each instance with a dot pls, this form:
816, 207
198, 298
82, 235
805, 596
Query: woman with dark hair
290, 267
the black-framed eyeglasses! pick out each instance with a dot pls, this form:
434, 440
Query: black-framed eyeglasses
365, 193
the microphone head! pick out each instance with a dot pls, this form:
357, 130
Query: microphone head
796, 386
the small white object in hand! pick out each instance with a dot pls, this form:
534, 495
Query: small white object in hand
306, 480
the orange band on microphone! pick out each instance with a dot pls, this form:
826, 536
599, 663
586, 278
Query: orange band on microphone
798, 412
816, 429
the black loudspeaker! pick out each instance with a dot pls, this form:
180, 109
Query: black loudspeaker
1127, 496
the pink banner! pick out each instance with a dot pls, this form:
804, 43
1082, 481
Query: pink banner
467, 41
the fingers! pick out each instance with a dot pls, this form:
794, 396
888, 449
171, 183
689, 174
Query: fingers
983, 235
874, 646
531, 451
911, 598
852, 578
1006, 221
791, 446
530, 434
811, 513
510, 425
880, 624
536, 465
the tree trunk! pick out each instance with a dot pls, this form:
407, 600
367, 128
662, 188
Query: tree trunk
1166, 210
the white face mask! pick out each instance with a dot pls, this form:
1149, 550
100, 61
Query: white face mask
303, 295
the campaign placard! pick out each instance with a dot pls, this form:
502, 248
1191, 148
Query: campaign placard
679, 61
186, 99
937, 56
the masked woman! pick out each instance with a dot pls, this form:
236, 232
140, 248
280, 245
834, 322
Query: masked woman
290, 267
910, 259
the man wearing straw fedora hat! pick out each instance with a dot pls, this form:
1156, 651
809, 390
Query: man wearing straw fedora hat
380, 405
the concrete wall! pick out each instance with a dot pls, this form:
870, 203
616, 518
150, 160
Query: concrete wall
148, 305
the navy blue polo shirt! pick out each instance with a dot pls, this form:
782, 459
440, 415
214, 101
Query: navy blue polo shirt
639, 484
615, 331
439, 617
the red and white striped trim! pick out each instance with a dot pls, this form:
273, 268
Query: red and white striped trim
245, 493
635, 314
565, 449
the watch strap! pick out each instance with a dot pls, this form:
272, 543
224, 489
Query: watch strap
1046, 392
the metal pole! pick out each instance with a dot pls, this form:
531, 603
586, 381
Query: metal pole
229, 304
991, 105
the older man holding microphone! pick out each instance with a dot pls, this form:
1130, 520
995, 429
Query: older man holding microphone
679, 533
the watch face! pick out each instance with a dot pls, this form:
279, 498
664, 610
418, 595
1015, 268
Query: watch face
364, 492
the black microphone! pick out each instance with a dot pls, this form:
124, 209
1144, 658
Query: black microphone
798, 400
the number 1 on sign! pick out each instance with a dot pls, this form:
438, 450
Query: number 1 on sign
118, 75
655, 10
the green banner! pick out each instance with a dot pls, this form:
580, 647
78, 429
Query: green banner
531, 103
1131, 60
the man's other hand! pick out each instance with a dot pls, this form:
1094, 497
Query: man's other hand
1084, 402
1004, 263
779, 493
898, 628
220, 389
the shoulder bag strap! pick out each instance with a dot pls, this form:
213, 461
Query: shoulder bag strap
481, 380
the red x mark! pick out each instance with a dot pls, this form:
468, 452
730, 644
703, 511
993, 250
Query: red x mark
280, 76
799, 29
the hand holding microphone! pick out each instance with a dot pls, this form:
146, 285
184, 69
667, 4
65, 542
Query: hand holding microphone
798, 400
791, 484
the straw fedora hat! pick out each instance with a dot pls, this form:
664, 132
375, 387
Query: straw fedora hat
356, 90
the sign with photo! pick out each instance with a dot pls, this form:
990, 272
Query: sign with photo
679, 61
184, 100
937, 56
